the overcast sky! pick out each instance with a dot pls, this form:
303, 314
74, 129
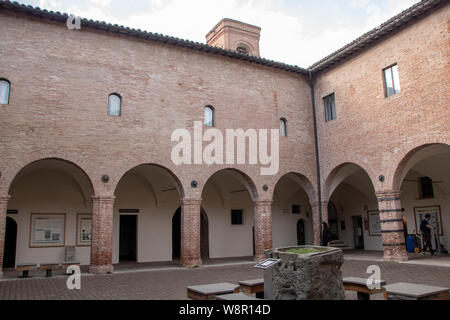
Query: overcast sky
298, 32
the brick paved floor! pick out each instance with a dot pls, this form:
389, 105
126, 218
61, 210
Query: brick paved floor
170, 284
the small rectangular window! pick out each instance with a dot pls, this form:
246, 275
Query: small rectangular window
391, 80
296, 209
237, 217
330, 107
426, 188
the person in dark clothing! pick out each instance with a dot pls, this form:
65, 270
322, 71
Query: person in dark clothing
426, 228
325, 235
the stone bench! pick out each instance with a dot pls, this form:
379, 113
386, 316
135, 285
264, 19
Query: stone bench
211, 291
359, 285
49, 267
235, 297
250, 287
409, 291
25, 268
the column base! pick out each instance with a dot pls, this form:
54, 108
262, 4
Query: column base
259, 258
395, 255
106, 269
197, 263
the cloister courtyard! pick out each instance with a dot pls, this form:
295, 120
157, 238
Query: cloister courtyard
168, 281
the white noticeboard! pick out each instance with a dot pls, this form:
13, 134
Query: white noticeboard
374, 223
47, 230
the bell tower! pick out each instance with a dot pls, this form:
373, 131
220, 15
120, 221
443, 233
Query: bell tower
237, 36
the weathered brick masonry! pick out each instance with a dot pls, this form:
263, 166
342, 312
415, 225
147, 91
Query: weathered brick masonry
61, 79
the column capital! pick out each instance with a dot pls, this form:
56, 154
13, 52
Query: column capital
388, 195
262, 203
191, 202
319, 204
104, 198
5, 197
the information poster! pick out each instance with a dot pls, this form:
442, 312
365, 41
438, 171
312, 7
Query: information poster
47, 230
374, 223
84, 227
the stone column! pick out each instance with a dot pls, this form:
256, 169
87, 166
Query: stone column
263, 228
3, 207
102, 235
317, 222
190, 233
392, 228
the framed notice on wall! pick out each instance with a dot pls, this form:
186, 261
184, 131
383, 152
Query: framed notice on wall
374, 223
436, 219
84, 230
47, 230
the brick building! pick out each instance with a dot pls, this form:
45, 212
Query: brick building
87, 118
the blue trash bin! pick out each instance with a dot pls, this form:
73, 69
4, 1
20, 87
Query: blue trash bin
410, 243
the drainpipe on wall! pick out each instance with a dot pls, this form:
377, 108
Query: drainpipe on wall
316, 140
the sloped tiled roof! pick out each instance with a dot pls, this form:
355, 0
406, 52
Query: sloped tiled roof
370, 37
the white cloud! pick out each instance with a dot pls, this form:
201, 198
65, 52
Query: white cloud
54, 5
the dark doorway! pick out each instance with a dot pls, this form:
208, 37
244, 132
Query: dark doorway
176, 235
333, 222
358, 232
301, 235
128, 238
9, 255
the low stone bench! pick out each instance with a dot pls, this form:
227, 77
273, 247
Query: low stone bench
251, 287
359, 285
409, 291
235, 297
26, 268
211, 291
49, 267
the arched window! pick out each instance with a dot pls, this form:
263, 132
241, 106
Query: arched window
114, 105
209, 116
5, 88
242, 49
283, 127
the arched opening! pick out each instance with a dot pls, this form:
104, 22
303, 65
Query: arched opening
228, 198
49, 198
423, 177
301, 233
115, 105
209, 117
9, 254
146, 198
291, 202
353, 216
176, 235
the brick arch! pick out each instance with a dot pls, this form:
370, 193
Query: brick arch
303, 181
73, 158
175, 179
245, 179
330, 176
407, 152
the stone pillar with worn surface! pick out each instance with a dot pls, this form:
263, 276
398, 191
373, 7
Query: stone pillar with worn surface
190, 233
263, 228
392, 228
3, 207
102, 235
